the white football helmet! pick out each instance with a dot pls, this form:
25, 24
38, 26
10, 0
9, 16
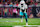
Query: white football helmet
22, 2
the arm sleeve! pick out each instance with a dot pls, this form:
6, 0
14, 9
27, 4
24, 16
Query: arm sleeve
26, 7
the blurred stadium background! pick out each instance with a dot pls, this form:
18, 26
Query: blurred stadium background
8, 12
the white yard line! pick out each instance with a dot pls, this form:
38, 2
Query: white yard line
31, 25
17, 26
9, 21
28, 26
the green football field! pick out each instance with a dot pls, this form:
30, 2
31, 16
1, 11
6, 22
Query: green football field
17, 21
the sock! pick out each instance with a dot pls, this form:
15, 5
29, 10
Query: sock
21, 17
26, 21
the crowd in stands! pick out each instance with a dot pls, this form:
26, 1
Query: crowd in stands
16, 2
10, 7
